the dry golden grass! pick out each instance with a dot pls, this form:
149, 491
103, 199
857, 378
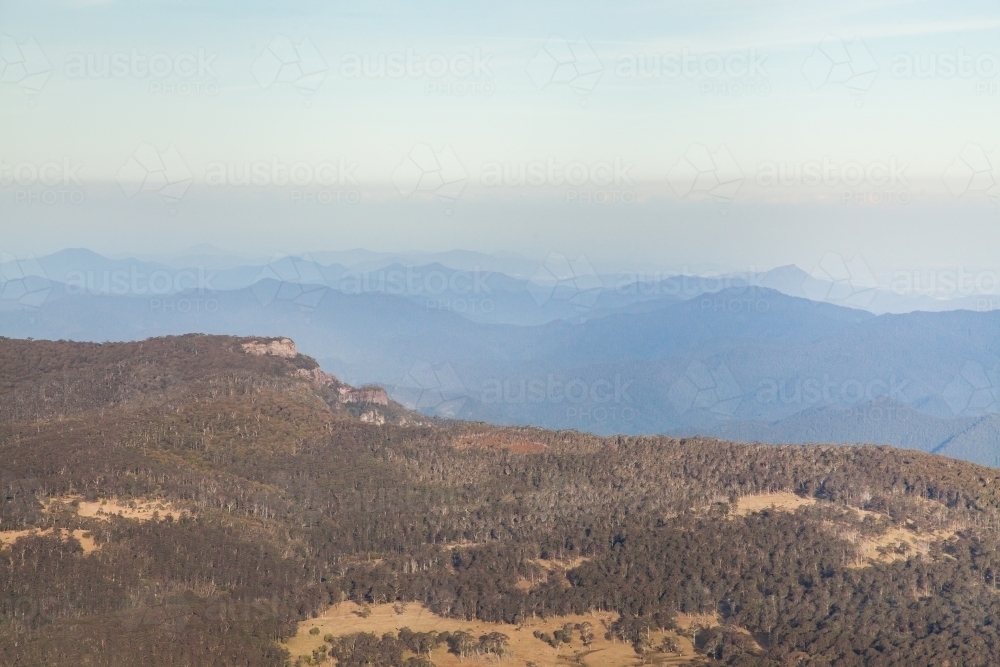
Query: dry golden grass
896, 543
784, 501
82, 536
686, 621
140, 510
498, 440
524, 647
553, 567
554, 564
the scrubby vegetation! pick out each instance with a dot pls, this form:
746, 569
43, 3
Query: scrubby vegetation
288, 503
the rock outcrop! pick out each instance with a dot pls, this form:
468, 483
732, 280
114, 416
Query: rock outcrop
366, 394
281, 347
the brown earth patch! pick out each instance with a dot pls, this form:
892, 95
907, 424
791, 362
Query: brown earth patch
895, 543
552, 568
140, 510
784, 501
512, 443
8, 537
524, 647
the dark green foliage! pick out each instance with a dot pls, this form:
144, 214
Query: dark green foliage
291, 504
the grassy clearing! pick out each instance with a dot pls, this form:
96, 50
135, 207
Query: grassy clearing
82, 536
524, 647
785, 501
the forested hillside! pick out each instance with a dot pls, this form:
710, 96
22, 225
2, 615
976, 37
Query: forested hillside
784, 370
189, 500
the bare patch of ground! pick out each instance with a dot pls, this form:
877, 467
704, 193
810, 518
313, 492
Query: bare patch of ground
140, 510
136, 510
784, 501
498, 440
83, 537
552, 568
524, 647
895, 543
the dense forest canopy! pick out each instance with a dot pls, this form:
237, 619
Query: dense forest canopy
280, 492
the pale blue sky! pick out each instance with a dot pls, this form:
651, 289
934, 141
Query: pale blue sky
864, 127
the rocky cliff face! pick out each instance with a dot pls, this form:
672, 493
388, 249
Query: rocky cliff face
281, 347
319, 378
368, 394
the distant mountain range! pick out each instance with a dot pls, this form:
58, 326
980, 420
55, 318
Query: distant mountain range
563, 347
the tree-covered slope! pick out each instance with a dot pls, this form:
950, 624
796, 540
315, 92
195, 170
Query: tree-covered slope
281, 491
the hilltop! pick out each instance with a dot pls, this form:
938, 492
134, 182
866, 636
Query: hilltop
209, 499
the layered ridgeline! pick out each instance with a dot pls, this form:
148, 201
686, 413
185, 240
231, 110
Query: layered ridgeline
203, 500
603, 354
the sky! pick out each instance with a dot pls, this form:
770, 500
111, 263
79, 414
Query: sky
731, 135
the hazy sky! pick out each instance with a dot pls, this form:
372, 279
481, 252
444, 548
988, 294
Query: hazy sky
733, 134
